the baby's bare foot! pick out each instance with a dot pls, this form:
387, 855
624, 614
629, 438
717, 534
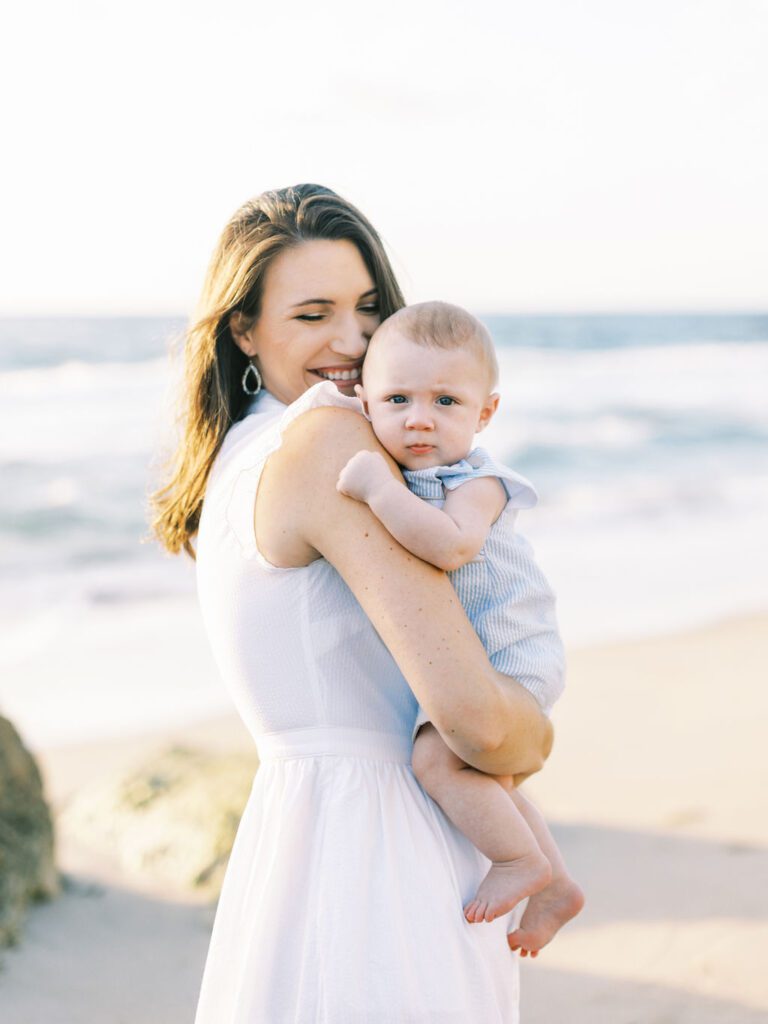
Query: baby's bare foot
506, 883
546, 913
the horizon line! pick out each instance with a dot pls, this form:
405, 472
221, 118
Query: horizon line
650, 311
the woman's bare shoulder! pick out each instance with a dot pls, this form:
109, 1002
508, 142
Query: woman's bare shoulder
298, 502
319, 443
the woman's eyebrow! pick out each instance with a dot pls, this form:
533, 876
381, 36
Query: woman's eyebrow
313, 302
329, 302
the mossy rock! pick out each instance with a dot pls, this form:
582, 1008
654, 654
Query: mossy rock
27, 860
172, 819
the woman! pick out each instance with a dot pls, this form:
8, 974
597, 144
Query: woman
342, 901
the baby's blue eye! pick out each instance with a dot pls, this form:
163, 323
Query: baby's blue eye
446, 400
397, 399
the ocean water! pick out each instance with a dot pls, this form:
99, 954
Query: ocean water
646, 436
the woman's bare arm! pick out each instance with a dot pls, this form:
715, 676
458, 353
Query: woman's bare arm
488, 719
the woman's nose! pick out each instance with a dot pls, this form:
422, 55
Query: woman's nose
350, 339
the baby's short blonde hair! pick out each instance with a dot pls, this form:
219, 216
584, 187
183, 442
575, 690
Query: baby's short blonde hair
442, 325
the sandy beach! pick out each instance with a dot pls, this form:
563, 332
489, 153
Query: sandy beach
656, 791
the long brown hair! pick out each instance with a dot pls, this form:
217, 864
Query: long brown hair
213, 398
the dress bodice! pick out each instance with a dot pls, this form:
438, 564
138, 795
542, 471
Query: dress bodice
294, 647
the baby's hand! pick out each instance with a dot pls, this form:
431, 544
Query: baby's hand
364, 474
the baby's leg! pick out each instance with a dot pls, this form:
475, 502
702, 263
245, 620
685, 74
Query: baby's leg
550, 908
483, 811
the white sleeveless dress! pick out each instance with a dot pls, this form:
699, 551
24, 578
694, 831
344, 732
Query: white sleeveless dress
342, 900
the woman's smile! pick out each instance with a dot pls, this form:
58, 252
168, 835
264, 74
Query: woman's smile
341, 373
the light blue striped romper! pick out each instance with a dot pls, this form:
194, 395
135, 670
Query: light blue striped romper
504, 593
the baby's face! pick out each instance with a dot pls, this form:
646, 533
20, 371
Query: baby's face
425, 404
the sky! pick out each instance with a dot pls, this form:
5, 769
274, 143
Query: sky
540, 156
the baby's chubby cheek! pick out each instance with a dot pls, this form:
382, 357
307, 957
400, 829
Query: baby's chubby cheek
389, 437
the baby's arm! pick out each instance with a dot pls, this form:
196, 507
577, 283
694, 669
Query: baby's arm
447, 537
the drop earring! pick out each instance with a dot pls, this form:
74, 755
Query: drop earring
257, 381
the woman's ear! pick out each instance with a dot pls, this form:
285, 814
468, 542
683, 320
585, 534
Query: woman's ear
240, 327
490, 405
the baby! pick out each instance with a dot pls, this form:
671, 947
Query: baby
428, 387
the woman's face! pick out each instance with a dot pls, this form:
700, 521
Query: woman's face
319, 309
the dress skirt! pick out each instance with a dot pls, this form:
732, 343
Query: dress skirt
342, 900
